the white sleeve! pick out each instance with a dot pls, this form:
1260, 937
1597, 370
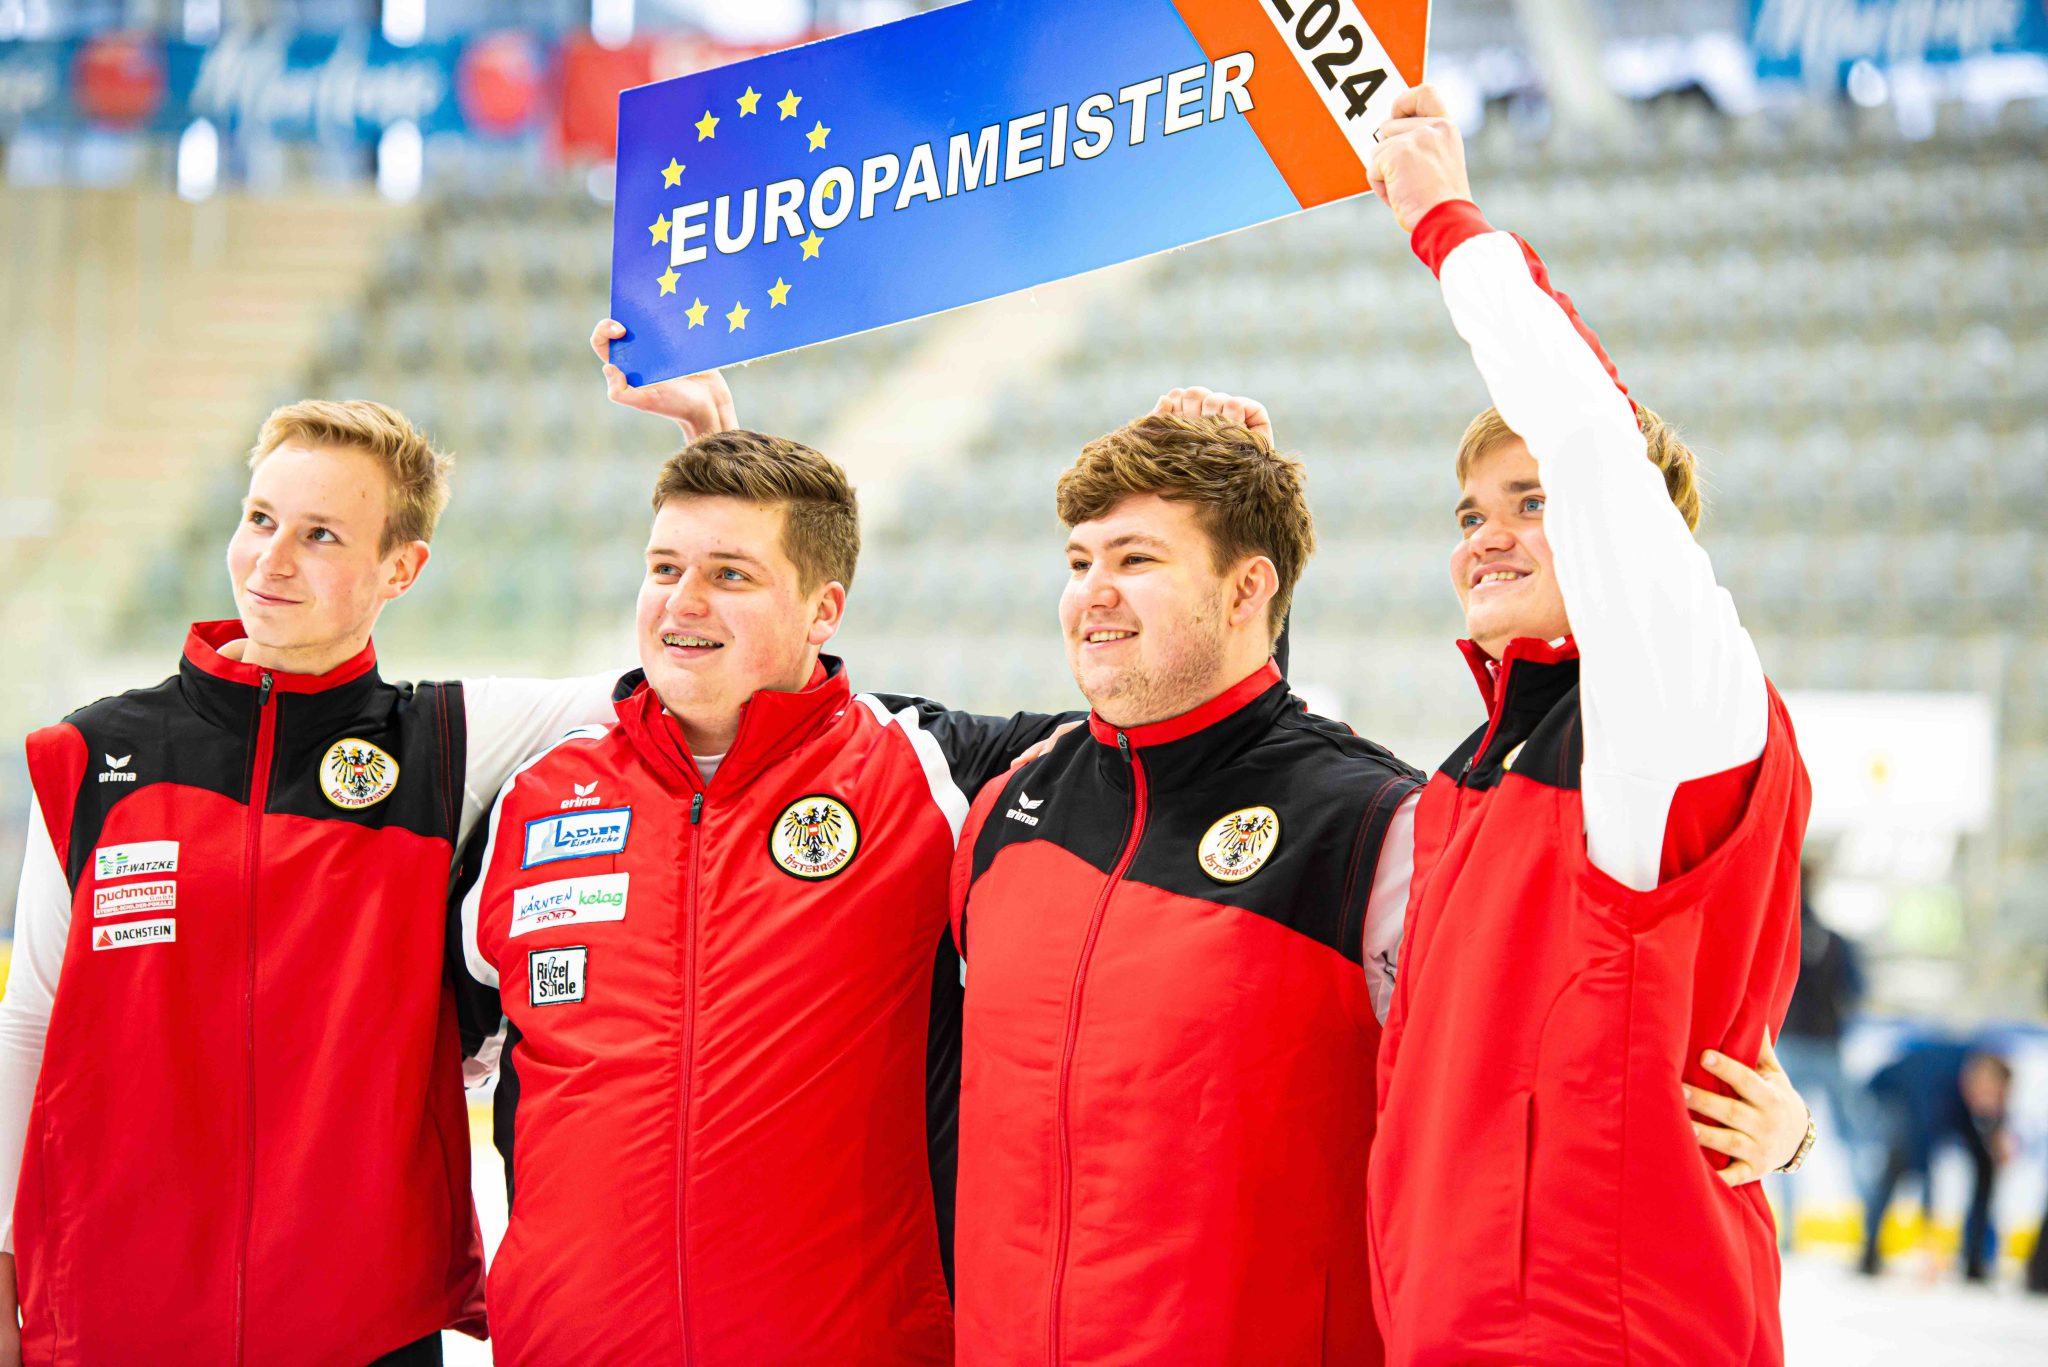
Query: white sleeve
1386, 910
509, 721
42, 925
1670, 684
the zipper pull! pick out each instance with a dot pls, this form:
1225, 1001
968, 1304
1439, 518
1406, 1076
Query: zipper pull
696, 808
1123, 745
263, 691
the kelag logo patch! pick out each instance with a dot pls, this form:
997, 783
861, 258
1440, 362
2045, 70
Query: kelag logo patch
569, 901
576, 836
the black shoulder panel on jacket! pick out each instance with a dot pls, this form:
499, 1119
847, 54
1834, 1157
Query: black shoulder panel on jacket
1064, 797
421, 728
1332, 795
137, 739
1545, 747
1306, 800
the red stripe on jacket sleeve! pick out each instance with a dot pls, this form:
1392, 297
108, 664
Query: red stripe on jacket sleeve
56, 768
1455, 222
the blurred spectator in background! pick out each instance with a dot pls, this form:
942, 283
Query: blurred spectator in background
1829, 989
1938, 1093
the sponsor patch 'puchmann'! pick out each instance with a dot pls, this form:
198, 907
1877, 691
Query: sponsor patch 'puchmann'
126, 899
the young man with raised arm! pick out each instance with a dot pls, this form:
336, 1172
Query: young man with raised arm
1605, 886
231, 1119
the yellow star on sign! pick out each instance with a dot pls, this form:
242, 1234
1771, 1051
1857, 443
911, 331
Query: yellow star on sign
672, 174
778, 294
812, 243
817, 135
750, 101
707, 126
788, 103
659, 228
668, 280
737, 319
828, 189
697, 312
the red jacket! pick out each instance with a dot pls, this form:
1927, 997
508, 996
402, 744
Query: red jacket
248, 1142
1606, 884
720, 998
1167, 1086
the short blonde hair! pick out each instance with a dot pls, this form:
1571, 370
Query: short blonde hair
418, 473
820, 514
1665, 448
1248, 496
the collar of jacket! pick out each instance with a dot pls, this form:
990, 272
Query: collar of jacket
224, 690
1528, 679
1208, 734
773, 723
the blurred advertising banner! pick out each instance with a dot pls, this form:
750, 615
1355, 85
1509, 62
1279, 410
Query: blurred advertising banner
976, 150
1822, 39
1895, 762
281, 83
593, 75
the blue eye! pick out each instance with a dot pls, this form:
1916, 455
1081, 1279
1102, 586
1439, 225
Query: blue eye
732, 576
322, 534
1533, 504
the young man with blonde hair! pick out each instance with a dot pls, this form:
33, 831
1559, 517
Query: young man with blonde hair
716, 928
1175, 926
1605, 874
231, 1118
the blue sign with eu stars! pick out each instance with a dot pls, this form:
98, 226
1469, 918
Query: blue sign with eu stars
977, 150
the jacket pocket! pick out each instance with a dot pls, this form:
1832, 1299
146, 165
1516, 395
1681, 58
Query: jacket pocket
1526, 1108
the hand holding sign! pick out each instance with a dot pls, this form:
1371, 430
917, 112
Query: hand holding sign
1420, 162
699, 404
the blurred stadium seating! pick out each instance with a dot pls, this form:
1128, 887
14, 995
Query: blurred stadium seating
1851, 327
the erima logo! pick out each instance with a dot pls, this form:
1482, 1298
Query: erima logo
1025, 806
114, 767
586, 796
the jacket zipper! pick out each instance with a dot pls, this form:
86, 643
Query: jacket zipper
1500, 711
683, 1085
1064, 1214
259, 797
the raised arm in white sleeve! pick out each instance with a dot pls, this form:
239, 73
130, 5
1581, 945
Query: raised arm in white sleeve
42, 924
511, 720
1670, 685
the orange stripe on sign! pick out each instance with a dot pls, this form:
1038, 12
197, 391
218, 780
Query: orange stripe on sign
1309, 150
